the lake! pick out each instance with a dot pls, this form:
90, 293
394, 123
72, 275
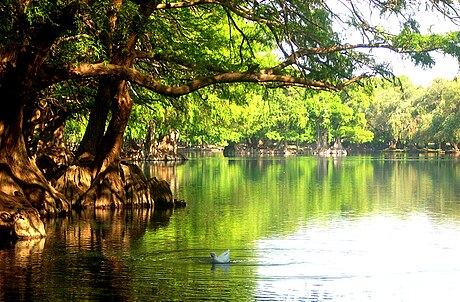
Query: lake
358, 228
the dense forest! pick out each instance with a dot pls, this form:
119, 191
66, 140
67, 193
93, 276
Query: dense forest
78, 79
381, 115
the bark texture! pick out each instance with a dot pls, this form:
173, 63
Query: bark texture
18, 219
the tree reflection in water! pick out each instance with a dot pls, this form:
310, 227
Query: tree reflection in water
83, 256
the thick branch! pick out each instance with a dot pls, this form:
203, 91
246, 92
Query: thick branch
134, 76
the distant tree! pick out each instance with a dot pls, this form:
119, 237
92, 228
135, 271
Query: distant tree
391, 114
444, 95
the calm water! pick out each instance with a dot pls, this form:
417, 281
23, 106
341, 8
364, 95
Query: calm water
299, 229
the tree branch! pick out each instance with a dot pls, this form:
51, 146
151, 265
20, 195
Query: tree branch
293, 58
130, 74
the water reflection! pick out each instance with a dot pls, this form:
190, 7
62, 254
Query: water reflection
365, 259
302, 229
83, 257
225, 267
16, 263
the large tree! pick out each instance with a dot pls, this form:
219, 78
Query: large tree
173, 49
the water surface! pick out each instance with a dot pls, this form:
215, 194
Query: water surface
299, 229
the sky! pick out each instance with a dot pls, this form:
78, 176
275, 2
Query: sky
446, 66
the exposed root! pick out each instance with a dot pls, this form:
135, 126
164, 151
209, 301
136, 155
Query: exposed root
74, 183
18, 219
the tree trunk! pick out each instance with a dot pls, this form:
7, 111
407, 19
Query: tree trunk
104, 185
338, 144
100, 152
99, 113
338, 149
19, 175
108, 188
151, 143
24, 191
322, 141
392, 145
96, 123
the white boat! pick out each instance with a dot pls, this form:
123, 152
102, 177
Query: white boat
222, 258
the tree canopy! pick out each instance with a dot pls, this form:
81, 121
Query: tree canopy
184, 46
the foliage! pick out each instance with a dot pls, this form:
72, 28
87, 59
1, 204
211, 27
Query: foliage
409, 116
206, 46
288, 115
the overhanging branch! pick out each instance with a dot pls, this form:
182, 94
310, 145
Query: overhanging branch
147, 81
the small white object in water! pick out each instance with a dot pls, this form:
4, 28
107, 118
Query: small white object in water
222, 258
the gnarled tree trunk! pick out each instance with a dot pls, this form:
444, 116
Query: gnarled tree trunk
20, 81
107, 189
24, 191
98, 162
100, 152
151, 143
19, 175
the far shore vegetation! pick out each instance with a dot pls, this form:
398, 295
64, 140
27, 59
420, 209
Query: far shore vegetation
382, 115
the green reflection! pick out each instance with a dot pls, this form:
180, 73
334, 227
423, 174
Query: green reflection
265, 210
246, 198
233, 202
